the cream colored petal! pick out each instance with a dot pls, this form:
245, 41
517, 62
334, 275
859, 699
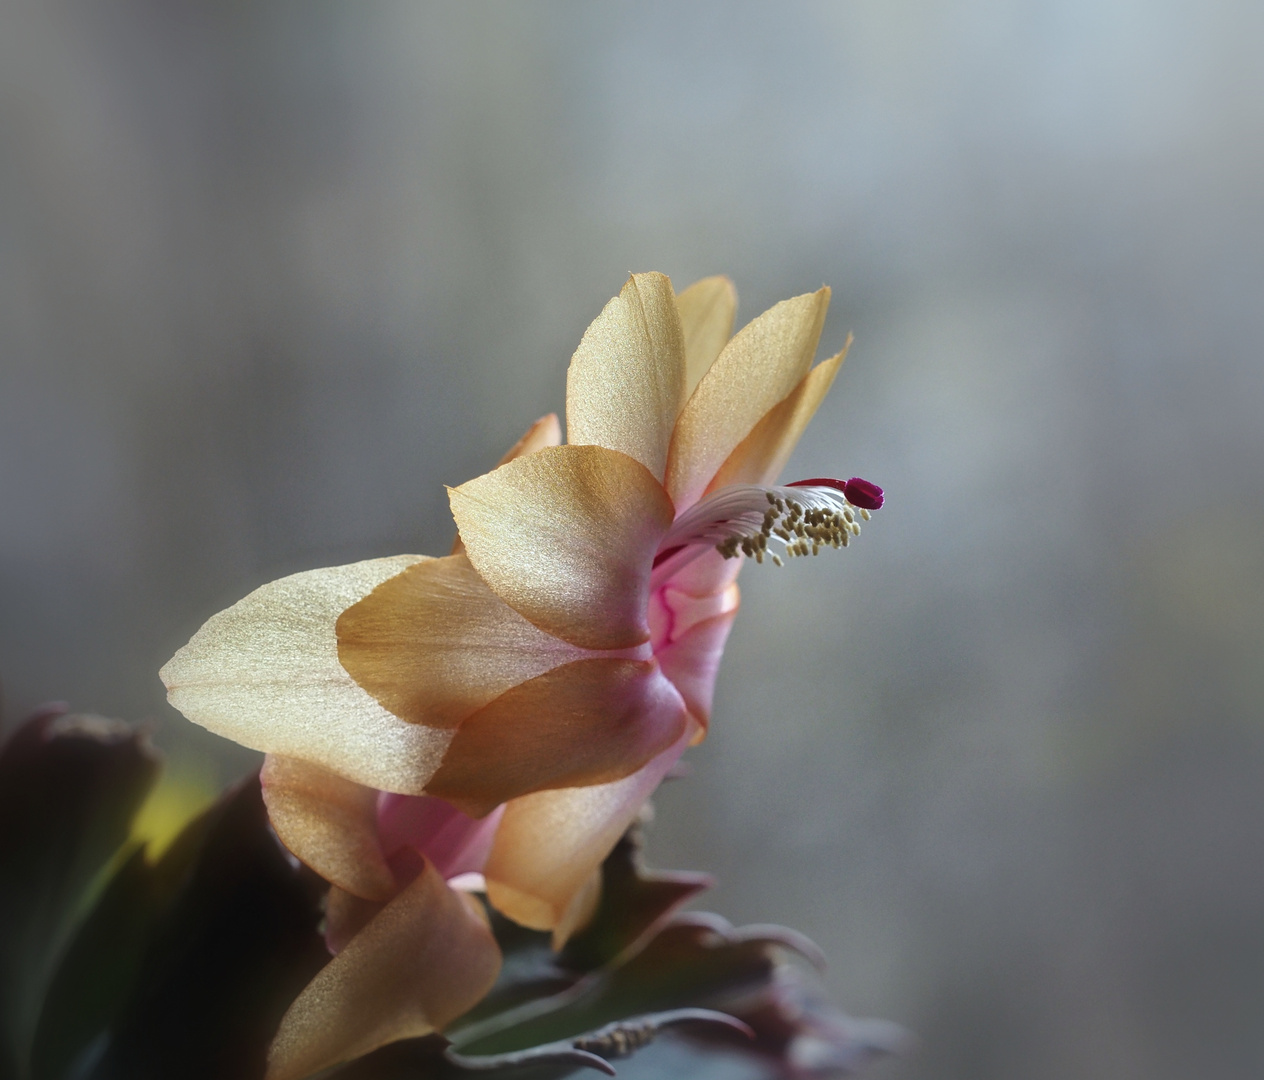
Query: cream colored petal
265, 673
761, 365
706, 309
626, 381
421, 962
549, 844
566, 537
760, 457
329, 823
544, 432
589, 722
435, 644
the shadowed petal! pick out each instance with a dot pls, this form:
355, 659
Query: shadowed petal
265, 673
435, 644
549, 843
758, 368
345, 916
760, 457
329, 823
566, 537
706, 309
580, 910
421, 962
589, 722
626, 381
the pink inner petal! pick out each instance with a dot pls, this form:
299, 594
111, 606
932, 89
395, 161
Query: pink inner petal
455, 843
692, 661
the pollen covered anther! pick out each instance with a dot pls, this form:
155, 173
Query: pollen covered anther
743, 519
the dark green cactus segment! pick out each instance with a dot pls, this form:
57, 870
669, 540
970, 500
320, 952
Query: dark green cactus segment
635, 901
236, 939
69, 789
131, 969
97, 972
595, 1049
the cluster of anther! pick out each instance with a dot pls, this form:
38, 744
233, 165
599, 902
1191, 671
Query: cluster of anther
800, 531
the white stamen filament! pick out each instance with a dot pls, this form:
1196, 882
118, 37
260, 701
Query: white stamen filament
744, 519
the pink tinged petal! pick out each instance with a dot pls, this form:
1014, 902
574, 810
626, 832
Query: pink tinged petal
760, 457
544, 432
673, 611
566, 537
454, 842
435, 644
706, 309
708, 574
329, 823
549, 844
761, 365
692, 661
626, 381
590, 722
687, 610
266, 674
422, 961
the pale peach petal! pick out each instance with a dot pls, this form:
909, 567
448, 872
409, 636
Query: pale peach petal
434, 644
706, 309
626, 382
265, 673
566, 537
589, 722
328, 822
544, 432
550, 843
421, 962
693, 659
760, 457
761, 365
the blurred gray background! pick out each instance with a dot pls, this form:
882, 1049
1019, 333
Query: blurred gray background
273, 273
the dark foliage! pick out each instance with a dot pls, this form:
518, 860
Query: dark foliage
117, 968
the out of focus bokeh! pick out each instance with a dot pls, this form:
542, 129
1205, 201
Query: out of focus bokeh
272, 274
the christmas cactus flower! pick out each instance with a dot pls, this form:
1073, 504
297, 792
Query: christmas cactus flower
494, 719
